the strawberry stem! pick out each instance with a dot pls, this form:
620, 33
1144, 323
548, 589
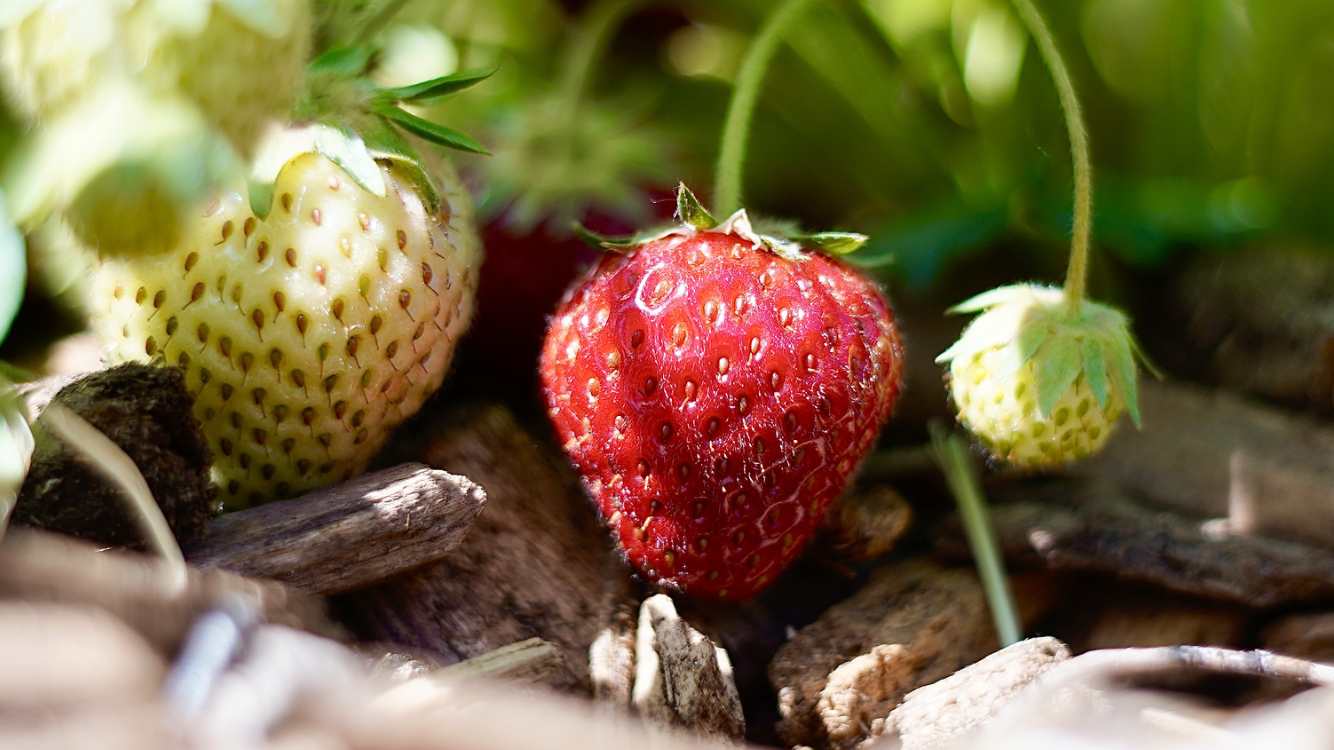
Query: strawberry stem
736, 128
951, 453
1079, 151
595, 31
381, 18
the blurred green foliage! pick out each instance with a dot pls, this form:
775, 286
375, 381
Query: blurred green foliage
932, 126
928, 124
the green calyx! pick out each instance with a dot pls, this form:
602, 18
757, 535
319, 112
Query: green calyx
780, 237
359, 125
1033, 323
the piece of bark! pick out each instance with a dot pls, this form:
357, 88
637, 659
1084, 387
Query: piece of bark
394, 662
1222, 456
1306, 636
536, 564
912, 623
1090, 524
147, 412
142, 591
935, 715
1166, 625
58, 657
611, 662
682, 677
349, 535
1260, 321
1093, 701
863, 524
532, 660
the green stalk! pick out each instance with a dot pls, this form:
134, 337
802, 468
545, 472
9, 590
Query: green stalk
736, 128
381, 18
114, 464
595, 31
952, 454
1079, 150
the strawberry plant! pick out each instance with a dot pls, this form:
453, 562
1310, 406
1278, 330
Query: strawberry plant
717, 387
1042, 376
319, 306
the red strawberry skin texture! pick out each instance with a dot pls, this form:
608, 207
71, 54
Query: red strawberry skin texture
716, 399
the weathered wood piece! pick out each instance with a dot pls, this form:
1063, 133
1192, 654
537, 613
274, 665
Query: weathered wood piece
536, 564
863, 524
1219, 455
531, 660
611, 662
349, 535
935, 715
1088, 524
146, 412
681, 677
912, 623
142, 591
1093, 701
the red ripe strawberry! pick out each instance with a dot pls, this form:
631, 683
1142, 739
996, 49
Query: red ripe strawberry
716, 396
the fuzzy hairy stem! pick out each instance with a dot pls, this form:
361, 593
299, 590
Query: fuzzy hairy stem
600, 21
736, 128
951, 453
1077, 272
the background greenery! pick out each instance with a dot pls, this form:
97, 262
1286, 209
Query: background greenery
928, 124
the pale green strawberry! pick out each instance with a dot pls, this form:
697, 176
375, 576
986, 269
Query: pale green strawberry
306, 335
1038, 383
240, 61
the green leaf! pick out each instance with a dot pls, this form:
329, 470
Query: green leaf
691, 212
261, 197
1056, 365
13, 269
431, 91
1095, 370
433, 132
345, 62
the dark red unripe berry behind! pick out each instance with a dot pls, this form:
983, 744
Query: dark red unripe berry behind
716, 398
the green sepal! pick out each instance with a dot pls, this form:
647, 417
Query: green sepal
1056, 365
1032, 323
385, 143
435, 133
691, 212
342, 146
429, 92
622, 243
261, 197
1123, 375
345, 62
1095, 370
834, 243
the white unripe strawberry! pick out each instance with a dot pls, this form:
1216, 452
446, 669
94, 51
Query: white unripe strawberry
1038, 383
305, 335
